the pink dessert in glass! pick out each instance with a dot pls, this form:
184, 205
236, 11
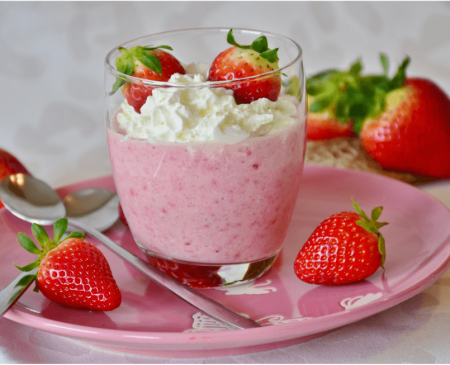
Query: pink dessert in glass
208, 187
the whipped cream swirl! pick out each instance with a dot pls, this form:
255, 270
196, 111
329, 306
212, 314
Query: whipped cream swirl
200, 114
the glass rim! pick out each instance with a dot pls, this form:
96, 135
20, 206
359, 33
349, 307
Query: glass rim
142, 81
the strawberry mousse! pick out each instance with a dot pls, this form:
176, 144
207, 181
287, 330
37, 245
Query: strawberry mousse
219, 185
207, 158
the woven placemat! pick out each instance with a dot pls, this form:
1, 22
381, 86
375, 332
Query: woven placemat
348, 153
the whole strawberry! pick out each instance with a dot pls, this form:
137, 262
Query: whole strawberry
246, 61
150, 63
413, 132
345, 248
71, 272
10, 165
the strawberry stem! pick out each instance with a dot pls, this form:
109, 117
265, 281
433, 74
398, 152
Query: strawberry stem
126, 62
371, 225
259, 45
59, 229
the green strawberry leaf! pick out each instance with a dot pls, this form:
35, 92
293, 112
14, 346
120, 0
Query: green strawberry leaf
320, 78
318, 88
151, 48
372, 225
40, 234
360, 211
76, 235
385, 63
28, 244
342, 111
26, 280
358, 110
356, 68
59, 228
382, 248
232, 41
366, 225
376, 212
320, 105
125, 63
118, 84
358, 124
29, 267
151, 62
399, 78
380, 224
260, 44
381, 83
271, 55
379, 101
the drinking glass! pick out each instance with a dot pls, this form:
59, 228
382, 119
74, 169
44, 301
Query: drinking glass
209, 213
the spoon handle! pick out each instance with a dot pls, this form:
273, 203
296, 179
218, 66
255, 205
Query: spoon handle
184, 292
13, 291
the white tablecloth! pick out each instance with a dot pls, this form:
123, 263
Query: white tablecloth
51, 94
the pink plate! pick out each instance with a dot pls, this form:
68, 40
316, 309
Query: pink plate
151, 321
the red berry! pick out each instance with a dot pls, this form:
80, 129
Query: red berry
240, 62
195, 276
77, 275
343, 249
135, 62
322, 126
413, 133
73, 272
10, 165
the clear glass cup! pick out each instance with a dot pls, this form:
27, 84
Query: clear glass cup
216, 212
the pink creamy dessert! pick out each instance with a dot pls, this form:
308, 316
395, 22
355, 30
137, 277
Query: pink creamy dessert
210, 202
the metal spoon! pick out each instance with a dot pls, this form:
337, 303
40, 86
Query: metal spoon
34, 201
98, 208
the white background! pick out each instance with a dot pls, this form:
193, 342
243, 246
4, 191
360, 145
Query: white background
51, 118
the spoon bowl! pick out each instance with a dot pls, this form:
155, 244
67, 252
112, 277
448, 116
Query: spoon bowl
31, 199
34, 201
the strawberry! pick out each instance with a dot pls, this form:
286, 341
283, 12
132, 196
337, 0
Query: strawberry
246, 61
413, 132
10, 165
348, 97
343, 249
322, 126
403, 123
150, 63
71, 272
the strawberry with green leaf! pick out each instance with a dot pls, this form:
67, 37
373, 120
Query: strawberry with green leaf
71, 271
149, 63
345, 248
412, 134
247, 61
341, 101
403, 123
